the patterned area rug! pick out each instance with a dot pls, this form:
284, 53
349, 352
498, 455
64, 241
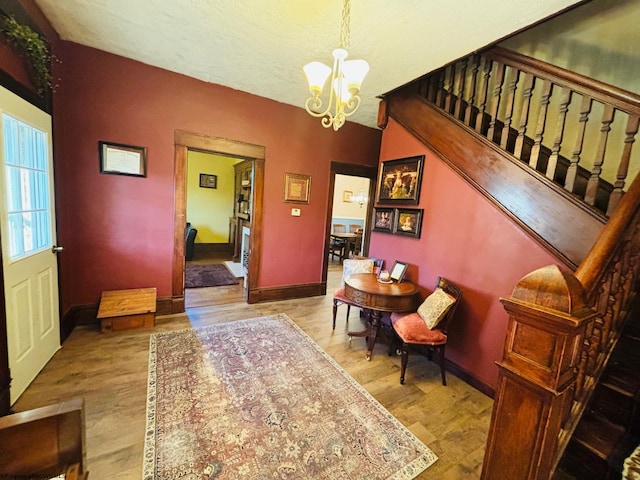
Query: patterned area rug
208, 275
258, 399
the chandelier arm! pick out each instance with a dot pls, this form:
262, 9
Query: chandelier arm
351, 106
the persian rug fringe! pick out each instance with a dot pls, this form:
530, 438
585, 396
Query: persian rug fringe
258, 398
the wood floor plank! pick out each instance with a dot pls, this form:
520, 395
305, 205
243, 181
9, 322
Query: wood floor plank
110, 372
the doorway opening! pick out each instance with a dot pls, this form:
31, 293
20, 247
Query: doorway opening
186, 142
218, 212
350, 202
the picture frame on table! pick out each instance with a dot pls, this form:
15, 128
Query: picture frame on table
398, 271
121, 159
408, 221
208, 181
399, 181
383, 220
297, 188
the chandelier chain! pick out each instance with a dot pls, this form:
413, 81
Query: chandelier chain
345, 33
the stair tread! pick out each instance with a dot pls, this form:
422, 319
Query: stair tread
622, 379
598, 435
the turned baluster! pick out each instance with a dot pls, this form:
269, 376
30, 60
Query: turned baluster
495, 101
623, 169
450, 76
557, 142
440, 88
484, 93
511, 98
594, 180
529, 84
572, 171
475, 66
462, 76
547, 91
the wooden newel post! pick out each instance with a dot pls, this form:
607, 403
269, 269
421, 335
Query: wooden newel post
537, 374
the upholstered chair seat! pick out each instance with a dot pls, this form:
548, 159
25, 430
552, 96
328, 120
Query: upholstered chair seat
412, 329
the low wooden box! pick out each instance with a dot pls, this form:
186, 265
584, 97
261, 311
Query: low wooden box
127, 309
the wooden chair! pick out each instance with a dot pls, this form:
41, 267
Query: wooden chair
355, 265
353, 228
427, 328
336, 245
44, 442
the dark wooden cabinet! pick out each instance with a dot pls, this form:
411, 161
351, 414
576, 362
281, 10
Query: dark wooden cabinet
242, 211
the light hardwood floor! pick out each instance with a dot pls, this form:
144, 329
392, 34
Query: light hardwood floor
110, 372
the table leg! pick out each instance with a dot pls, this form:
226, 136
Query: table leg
370, 333
347, 249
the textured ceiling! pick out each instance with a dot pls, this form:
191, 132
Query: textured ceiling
260, 46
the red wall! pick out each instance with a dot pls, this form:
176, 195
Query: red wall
117, 231
467, 240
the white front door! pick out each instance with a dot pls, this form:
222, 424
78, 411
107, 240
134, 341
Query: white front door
28, 236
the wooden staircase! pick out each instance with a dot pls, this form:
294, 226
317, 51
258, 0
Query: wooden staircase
609, 430
568, 379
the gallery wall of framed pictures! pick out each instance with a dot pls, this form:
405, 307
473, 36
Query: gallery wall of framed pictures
398, 221
399, 184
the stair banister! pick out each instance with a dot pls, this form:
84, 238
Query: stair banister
538, 405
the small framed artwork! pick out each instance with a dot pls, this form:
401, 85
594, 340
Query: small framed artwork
408, 221
399, 181
346, 196
208, 181
297, 188
383, 220
398, 270
120, 159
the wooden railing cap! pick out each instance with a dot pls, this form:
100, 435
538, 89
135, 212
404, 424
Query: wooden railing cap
552, 288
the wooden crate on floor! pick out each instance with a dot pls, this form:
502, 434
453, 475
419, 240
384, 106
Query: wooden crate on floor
126, 309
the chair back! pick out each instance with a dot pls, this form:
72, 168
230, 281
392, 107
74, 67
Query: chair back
349, 266
456, 292
339, 228
353, 228
378, 263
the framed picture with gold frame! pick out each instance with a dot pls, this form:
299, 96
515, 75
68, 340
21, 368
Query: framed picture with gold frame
399, 181
297, 188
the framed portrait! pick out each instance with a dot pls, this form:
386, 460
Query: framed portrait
398, 270
383, 220
399, 181
120, 159
297, 188
408, 221
346, 196
208, 181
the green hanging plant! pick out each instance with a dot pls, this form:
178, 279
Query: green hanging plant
34, 46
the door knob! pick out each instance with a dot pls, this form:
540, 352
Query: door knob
57, 249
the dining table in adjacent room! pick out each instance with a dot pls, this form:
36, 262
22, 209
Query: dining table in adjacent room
366, 291
348, 239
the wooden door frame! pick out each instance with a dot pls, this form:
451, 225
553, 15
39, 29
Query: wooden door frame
185, 141
364, 171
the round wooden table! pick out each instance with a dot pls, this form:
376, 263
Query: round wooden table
365, 291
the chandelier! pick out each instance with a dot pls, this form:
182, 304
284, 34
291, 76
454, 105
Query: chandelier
346, 79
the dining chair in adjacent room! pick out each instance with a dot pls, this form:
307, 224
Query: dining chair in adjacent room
427, 328
350, 266
337, 245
